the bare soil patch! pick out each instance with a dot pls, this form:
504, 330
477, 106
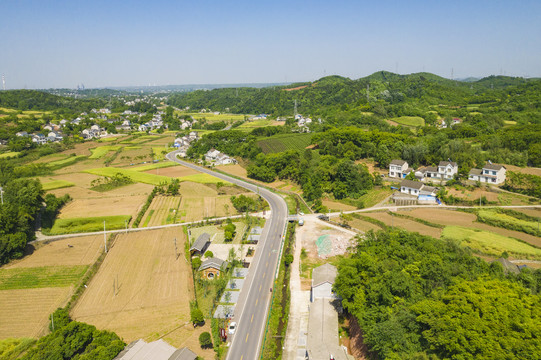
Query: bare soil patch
525, 170
174, 171
530, 212
405, 224
74, 251
474, 195
363, 225
105, 206
337, 206
25, 312
142, 289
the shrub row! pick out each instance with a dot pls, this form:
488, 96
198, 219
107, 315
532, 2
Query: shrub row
145, 207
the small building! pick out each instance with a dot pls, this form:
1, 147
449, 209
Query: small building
490, 173
156, 350
212, 268
410, 187
399, 169
447, 170
200, 245
322, 281
416, 190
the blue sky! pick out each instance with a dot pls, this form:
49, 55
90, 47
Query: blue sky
120, 43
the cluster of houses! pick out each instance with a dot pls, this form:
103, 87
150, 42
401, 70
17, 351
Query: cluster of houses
183, 143
450, 123
40, 139
95, 132
215, 157
416, 192
303, 122
155, 123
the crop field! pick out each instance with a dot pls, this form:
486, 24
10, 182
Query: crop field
509, 221
111, 139
524, 170
134, 175
25, 312
159, 165
211, 117
531, 212
413, 121
40, 277
66, 252
88, 224
250, 125
171, 171
284, 142
405, 224
70, 160
57, 184
101, 151
203, 179
142, 289
337, 206
162, 211
236, 170
199, 201
9, 154
490, 243
159, 152
363, 225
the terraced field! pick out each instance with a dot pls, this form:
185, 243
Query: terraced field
284, 142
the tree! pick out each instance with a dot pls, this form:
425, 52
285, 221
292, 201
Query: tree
196, 263
209, 254
196, 316
288, 259
59, 319
205, 340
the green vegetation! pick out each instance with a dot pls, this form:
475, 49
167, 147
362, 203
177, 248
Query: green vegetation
134, 175
417, 297
523, 183
279, 310
153, 166
149, 216
70, 160
243, 203
250, 125
89, 224
110, 182
101, 151
11, 349
10, 154
40, 277
158, 153
57, 184
506, 220
284, 142
203, 179
414, 121
490, 243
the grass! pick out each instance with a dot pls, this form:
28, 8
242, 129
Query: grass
149, 216
490, 243
41, 277
211, 117
89, 224
247, 126
203, 179
494, 218
137, 176
153, 166
109, 139
57, 184
413, 121
158, 152
284, 142
9, 154
12, 348
101, 151
70, 160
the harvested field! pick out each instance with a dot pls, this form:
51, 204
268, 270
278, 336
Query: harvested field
363, 225
175, 171
530, 212
235, 169
101, 151
132, 154
153, 287
187, 336
474, 195
524, 170
200, 201
157, 165
25, 312
337, 206
405, 224
102, 206
164, 211
83, 251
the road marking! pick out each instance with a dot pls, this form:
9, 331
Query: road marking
260, 287
241, 357
247, 337
264, 274
256, 300
267, 265
252, 318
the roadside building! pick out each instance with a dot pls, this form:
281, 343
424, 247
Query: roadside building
490, 173
156, 350
200, 245
322, 281
212, 268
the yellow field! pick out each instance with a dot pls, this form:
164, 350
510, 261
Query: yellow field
200, 201
162, 211
25, 312
102, 206
406, 224
153, 289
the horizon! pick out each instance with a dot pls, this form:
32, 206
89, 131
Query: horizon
105, 45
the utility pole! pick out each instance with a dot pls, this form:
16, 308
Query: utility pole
367, 92
2, 194
126, 223
52, 320
176, 251
104, 236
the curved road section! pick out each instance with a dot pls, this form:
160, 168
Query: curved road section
253, 305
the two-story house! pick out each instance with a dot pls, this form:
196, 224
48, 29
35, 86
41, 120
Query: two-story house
399, 169
490, 173
447, 170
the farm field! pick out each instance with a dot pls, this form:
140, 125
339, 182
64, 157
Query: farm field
284, 142
200, 201
171, 171
211, 117
405, 224
25, 310
250, 125
57, 184
101, 151
363, 225
337, 206
9, 154
413, 121
158, 165
524, 170
163, 210
217, 233
489, 243
88, 224
134, 175
153, 289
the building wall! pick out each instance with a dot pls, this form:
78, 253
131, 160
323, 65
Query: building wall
205, 273
323, 291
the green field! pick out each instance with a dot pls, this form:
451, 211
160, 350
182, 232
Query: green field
101, 151
40, 277
250, 125
152, 166
203, 179
508, 222
56, 184
9, 154
137, 176
70, 160
109, 139
89, 224
210, 117
284, 142
131, 147
490, 243
158, 152
413, 121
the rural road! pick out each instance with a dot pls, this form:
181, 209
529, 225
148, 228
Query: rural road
253, 305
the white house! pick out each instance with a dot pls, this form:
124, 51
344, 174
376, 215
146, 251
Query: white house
490, 173
212, 155
39, 139
322, 281
425, 194
411, 187
399, 169
447, 170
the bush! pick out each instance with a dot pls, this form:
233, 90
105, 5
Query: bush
196, 263
205, 340
196, 316
209, 254
288, 259
59, 319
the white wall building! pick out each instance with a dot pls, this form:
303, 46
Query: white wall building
490, 173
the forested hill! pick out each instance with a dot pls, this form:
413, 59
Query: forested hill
383, 93
43, 101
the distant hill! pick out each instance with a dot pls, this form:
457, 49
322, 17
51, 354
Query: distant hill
41, 100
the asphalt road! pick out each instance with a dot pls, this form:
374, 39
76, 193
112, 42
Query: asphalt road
252, 308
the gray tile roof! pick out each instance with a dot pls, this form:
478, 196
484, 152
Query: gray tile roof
398, 162
476, 172
214, 263
493, 167
411, 184
201, 242
183, 354
324, 273
445, 163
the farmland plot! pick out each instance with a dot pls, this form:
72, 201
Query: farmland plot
142, 289
406, 224
164, 211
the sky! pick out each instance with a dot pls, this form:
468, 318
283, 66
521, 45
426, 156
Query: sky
60, 44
